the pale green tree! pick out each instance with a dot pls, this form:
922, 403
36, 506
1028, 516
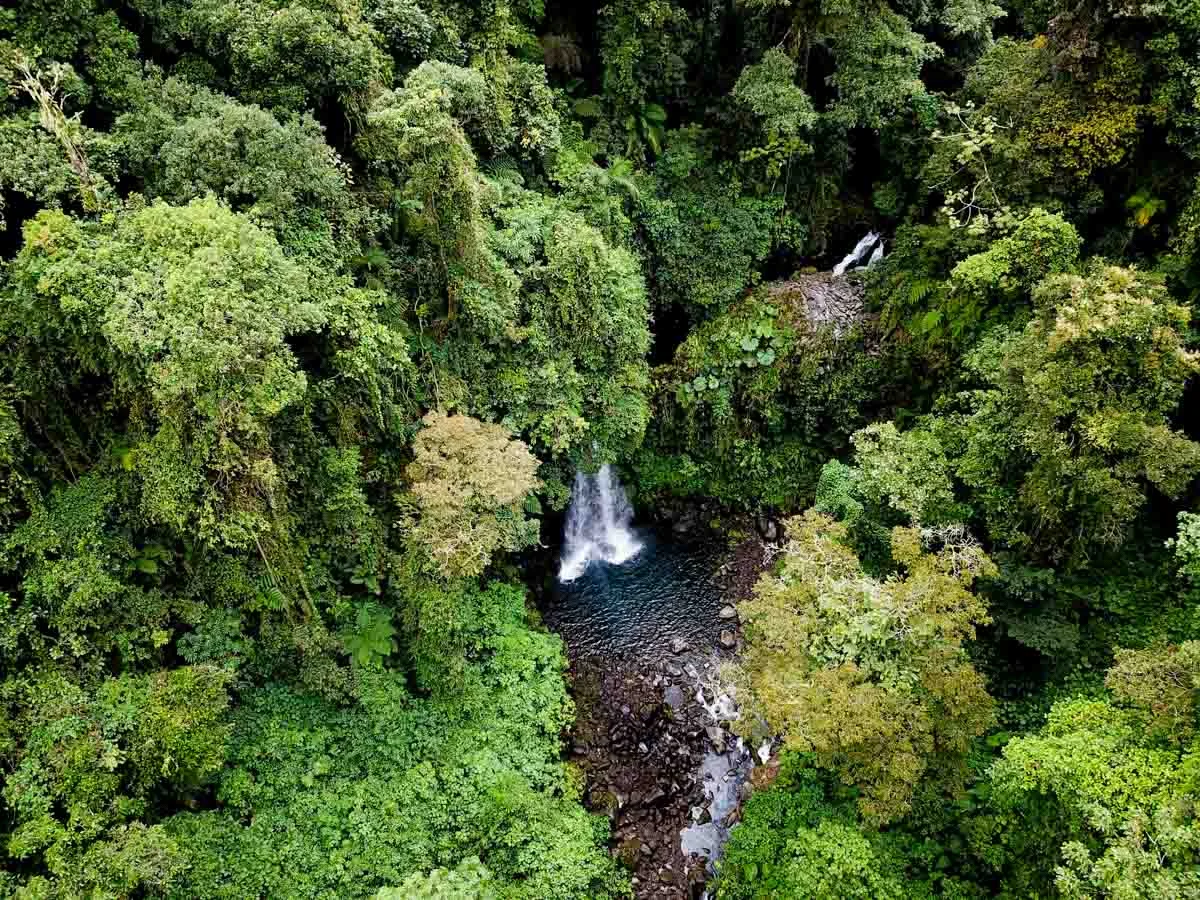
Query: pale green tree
471, 483
869, 675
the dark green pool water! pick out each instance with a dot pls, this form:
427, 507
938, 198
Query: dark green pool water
638, 608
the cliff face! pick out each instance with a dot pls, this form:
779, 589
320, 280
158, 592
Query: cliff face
821, 301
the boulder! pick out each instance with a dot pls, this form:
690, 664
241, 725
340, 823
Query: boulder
728, 639
728, 612
767, 528
716, 734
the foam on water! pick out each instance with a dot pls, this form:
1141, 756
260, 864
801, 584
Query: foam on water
859, 254
599, 525
667, 590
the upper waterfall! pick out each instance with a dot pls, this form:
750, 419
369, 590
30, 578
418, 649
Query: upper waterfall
858, 255
599, 524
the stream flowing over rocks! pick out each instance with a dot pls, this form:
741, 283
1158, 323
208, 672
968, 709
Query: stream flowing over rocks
646, 641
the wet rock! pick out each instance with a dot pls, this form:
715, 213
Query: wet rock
716, 735
820, 303
728, 639
727, 612
766, 528
644, 742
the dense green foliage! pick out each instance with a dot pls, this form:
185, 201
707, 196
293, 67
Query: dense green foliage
309, 310
869, 676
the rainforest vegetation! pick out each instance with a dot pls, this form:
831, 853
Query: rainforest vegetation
310, 309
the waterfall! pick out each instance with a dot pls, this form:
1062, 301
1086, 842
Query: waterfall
598, 524
858, 254
876, 255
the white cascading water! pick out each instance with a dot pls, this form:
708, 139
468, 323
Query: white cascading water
599, 524
876, 255
856, 256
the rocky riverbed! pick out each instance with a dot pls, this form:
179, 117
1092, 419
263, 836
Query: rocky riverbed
652, 738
